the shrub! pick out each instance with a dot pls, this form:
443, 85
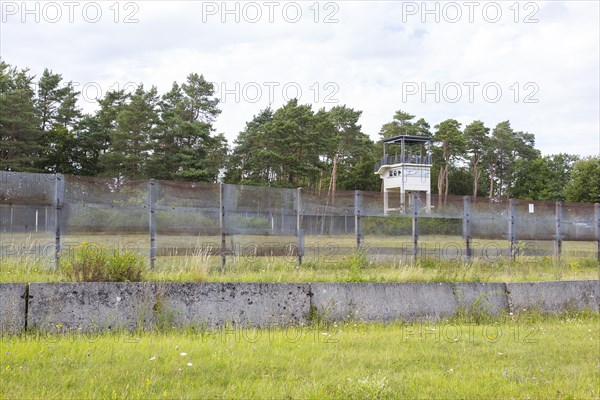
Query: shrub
90, 262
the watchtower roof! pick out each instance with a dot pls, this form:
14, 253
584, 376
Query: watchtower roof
408, 139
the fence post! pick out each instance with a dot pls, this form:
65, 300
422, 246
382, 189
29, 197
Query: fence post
152, 195
466, 228
10, 229
59, 198
558, 238
512, 234
299, 230
222, 225
357, 218
415, 225
597, 226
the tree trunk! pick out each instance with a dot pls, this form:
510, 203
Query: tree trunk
446, 173
320, 180
333, 182
475, 176
440, 186
492, 176
501, 183
475, 180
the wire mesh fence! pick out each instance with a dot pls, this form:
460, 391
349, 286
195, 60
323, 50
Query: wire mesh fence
42, 215
186, 218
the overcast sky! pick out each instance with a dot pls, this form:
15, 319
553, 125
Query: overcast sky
533, 63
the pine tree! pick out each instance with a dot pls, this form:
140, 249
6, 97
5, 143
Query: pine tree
183, 147
130, 140
20, 137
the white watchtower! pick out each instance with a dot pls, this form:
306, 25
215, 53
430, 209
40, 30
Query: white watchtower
405, 168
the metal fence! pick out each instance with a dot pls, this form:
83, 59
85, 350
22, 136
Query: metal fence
42, 214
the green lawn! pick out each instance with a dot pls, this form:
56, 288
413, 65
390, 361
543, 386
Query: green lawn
528, 357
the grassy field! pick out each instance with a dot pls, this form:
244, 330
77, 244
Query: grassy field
351, 267
316, 246
521, 356
509, 357
30, 258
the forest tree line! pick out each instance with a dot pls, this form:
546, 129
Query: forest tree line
144, 134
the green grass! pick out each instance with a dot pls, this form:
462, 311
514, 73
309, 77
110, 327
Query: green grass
347, 269
353, 268
508, 357
318, 247
328, 259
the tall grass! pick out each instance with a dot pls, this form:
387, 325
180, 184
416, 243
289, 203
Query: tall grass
203, 265
90, 262
353, 268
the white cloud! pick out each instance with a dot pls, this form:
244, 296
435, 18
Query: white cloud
365, 60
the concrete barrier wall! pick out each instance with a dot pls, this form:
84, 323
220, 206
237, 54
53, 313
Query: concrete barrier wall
13, 306
475, 297
103, 306
90, 306
242, 304
552, 297
406, 301
383, 301
59, 307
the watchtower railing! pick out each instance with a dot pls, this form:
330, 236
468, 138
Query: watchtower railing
408, 159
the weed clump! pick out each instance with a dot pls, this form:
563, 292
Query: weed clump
90, 262
355, 265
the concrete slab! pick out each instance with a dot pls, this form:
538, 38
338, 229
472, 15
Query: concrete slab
383, 301
103, 306
554, 297
241, 304
12, 308
90, 306
481, 298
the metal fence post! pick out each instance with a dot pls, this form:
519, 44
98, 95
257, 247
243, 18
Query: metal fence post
415, 225
357, 217
512, 234
597, 226
299, 230
558, 238
466, 228
152, 195
59, 199
222, 225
